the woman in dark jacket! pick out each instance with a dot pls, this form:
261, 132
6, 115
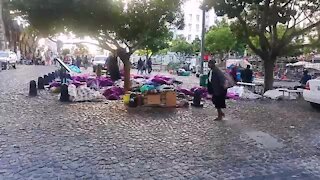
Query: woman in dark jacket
217, 88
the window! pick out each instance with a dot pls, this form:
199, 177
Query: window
190, 17
189, 37
197, 37
190, 27
198, 18
198, 27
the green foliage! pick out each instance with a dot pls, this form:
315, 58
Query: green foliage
153, 45
81, 50
65, 52
182, 47
196, 46
271, 28
113, 22
220, 40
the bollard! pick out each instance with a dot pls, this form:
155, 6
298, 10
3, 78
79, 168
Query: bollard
51, 77
46, 80
56, 74
68, 76
63, 77
33, 88
64, 95
197, 99
40, 83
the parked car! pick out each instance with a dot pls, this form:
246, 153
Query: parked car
7, 59
312, 93
99, 60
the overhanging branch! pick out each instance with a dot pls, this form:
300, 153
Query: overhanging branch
303, 31
247, 37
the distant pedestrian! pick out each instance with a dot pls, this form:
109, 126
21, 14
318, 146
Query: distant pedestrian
140, 66
149, 65
85, 62
78, 61
217, 88
144, 67
247, 75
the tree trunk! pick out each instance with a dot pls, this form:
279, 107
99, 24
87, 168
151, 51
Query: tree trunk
15, 43
113, 68
268, 74
125, 58
2, 29
127, 68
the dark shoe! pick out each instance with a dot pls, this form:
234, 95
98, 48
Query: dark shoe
218, 119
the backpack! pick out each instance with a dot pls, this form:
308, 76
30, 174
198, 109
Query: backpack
229, 80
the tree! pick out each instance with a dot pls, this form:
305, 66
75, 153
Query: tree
196, 46
154, 45
81, 50
261, 19
65, 52
2, 26
29, 38
119, 26
220, 40
182, 47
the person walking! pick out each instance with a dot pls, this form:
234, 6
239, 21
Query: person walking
149, 66
217, 88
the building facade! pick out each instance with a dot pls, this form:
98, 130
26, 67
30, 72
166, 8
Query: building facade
193, 21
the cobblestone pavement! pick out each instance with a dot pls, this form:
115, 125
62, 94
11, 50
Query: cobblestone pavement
41, 138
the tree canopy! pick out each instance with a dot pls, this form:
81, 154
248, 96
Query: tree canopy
182, 47
261, 19
220, 39
119, 26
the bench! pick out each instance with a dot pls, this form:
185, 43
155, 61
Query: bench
298, 91
251, 86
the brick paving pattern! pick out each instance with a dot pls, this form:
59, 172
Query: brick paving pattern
41, 138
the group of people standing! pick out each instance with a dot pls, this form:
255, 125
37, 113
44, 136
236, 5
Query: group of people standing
144, 66
81, 61
246, 75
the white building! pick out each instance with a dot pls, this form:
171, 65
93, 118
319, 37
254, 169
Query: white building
193, 20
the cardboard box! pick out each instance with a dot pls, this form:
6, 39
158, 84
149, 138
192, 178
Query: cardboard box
152, 99
171, 99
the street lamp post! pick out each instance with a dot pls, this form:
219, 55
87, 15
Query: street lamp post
203, 39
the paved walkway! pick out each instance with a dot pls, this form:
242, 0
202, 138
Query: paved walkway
41, 138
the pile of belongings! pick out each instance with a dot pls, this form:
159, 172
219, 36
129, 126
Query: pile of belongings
183, 72
203, 91
234, 93
276, 94
90, 88
83, 93
240, 92
158, 83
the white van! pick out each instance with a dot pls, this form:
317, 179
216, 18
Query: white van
7, 59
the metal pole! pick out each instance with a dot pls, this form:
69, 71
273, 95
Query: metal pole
203, 39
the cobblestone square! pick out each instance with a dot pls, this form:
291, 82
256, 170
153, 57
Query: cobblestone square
42, 138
